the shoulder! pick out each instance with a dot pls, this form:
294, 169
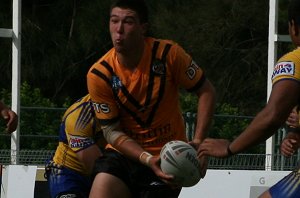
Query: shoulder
79, 117
103, 69
293, 56
165, 46
161, 42
81, 106
109, 58
287, 67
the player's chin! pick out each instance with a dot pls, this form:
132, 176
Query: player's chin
120, 48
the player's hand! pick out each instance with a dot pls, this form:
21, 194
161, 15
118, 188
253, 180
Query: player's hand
11, 119
288, 147
203, 165
202, 159
154, 164
293, 119
213, 147
290, 144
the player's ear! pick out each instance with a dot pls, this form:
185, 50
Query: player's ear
293, 28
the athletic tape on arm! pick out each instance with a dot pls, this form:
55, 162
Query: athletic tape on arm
113, 136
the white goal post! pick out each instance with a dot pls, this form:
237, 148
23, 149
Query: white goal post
274, 38
15, 35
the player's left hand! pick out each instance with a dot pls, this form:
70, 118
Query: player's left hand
203, 165
202, 159
213, 147
11, 119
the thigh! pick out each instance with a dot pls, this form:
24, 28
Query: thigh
160, 192
153, 187
140, 179
147, 185
109, 186
64, 182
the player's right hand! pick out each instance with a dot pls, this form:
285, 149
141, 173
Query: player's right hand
154, 164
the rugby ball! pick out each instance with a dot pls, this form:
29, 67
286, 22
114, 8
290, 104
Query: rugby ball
179, 159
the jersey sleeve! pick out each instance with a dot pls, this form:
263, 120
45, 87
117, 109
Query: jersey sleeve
101, 93
79, 128
287, 68
185, 70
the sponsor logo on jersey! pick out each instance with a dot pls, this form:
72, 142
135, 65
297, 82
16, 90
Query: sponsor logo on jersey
283, 68
116, 83
80, 142
158, 67
101, 107
191, 70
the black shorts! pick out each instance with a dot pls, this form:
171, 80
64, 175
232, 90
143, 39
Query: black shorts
139, 178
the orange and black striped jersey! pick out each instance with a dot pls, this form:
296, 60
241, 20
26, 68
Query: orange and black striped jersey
146, 100
79, 129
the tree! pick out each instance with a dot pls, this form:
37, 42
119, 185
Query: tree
228, 39
39, 121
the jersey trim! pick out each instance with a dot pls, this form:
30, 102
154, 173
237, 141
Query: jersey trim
198, 84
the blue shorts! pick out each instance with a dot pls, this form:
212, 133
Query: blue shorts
64, 182
288, 187
140, 179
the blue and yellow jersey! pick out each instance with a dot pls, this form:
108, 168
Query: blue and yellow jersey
79, 129
146, 100
287, 67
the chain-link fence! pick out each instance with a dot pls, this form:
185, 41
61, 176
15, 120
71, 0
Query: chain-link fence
38, 155
237, 162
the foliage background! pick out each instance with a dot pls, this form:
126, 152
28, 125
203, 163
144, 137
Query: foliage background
62, 39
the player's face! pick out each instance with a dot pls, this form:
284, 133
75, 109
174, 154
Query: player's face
294, 32
126, 31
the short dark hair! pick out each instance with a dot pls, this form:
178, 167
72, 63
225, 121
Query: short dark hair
139, 6
294, 12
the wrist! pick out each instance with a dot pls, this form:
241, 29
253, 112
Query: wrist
197, 141
145, 157
293, 129
229, 151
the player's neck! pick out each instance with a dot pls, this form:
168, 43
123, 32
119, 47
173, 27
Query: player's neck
131, 59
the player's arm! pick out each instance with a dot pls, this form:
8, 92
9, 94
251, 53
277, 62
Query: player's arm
206, 106
188, 74
275, 113
284, 96
131, 149
88, 156
10, 118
